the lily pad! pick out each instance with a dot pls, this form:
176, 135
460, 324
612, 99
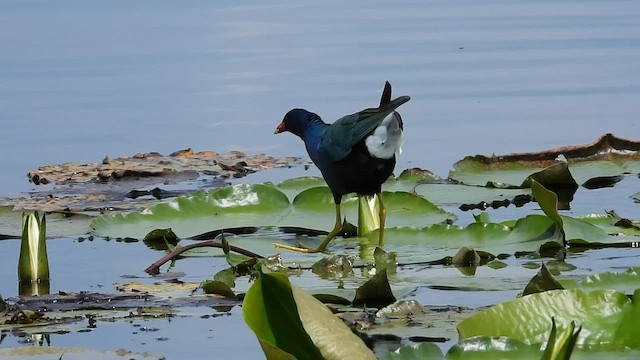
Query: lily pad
608, 318
426, 351
626, 282
233, 206
610, 225
497, 347
607, 156
259, 206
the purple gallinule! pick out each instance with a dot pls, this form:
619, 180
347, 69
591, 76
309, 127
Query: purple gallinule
355, 154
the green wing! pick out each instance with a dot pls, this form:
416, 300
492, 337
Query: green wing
347, 131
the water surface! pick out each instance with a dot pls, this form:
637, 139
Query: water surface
82, 80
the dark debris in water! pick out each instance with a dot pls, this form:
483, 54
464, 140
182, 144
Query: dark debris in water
517, 201
57, 312
139, 181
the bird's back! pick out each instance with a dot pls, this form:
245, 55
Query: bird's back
358, 150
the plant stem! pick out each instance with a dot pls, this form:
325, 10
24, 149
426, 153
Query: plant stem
154, 268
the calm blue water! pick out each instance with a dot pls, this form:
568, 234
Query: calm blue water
80, 80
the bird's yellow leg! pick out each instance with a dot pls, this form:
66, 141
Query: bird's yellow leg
383, 218
323, 246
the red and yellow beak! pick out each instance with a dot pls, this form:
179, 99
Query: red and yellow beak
281, 128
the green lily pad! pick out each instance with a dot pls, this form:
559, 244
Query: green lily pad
259, 206
457, 194
498, 347
481, 170
606, 157
608, 318
294, 186
606, 223
440, 240
626, 282
426, 351
233, 206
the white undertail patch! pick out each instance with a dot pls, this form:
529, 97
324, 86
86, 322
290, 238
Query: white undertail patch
386, 139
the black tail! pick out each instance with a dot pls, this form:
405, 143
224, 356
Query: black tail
386, 94
386, 99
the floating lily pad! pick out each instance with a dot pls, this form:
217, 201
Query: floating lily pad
610, 225
234, 206
626, 282
426, 351
608, 318
498, 347
607, 156
259, 205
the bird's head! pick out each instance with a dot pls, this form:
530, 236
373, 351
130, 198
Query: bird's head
296, 121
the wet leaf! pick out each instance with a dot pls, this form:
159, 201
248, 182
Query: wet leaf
401, 309
548, 202
161, 239
608, 156
603, 314
334, 266
332, 299
627, 281
259, 206
226, 276
483, 217
495, 347
241, 262
466, 257
426, 351
385, 260
496, 264
287, 318
230, 207
270, 310
214, 287
33, 262
376, 292
561, 347
368, 214
543, 281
